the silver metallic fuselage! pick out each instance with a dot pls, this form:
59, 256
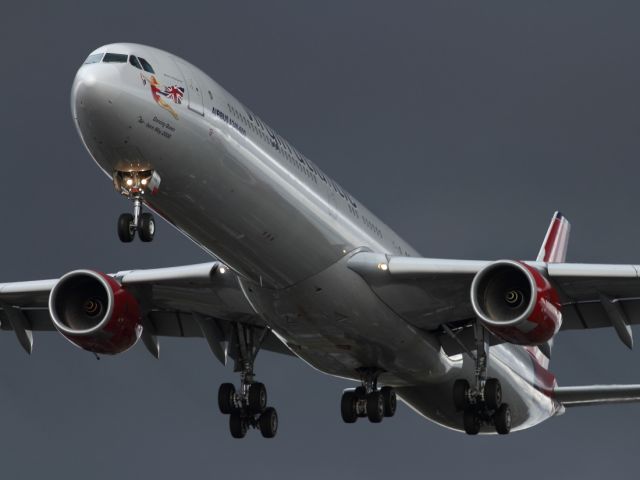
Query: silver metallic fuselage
245, 195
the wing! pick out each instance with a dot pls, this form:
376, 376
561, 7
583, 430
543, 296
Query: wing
203, 300
433, 294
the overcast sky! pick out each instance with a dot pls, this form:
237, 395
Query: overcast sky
462, 124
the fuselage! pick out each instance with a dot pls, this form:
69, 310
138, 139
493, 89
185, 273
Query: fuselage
247, 196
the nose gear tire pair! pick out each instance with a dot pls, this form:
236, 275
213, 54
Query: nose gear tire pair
127, 228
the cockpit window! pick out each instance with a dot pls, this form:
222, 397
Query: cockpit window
94, 58
134, 61
114, 58
145, 65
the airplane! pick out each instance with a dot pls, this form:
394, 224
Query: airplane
300, 267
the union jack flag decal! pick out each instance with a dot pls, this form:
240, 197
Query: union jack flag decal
174, 93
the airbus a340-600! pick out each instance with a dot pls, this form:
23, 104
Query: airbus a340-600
302, 268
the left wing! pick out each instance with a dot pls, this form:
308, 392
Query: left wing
430, 292
435, 295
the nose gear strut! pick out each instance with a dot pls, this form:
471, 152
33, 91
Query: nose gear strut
134, 185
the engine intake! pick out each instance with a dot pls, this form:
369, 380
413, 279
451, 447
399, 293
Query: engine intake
516, 303
94, 312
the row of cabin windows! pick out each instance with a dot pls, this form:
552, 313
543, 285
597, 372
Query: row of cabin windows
138, 62
249, 124
258, 131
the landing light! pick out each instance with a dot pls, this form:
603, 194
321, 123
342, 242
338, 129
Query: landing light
129, 181
222, 270
143, 181
383, 266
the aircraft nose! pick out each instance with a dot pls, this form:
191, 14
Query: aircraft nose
105, 114
95, 89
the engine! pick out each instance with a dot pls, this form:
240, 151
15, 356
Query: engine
94, 312
516, 302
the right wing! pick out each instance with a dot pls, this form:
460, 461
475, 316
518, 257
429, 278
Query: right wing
203, 300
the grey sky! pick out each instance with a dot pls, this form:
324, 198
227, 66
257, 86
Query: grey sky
461, 124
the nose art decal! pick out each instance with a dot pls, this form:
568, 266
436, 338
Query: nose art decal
172, 92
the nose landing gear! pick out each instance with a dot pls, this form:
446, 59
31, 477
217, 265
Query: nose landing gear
143, 223
134, 185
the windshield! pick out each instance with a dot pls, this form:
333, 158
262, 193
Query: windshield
94, 58
114, 58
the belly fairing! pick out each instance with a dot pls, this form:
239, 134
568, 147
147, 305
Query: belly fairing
336, 323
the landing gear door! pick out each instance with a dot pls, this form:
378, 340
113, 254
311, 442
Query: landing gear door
194, 89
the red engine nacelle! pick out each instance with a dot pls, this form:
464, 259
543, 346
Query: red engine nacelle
94, 312
516, 303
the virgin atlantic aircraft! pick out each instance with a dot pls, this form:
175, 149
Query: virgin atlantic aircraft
302, 268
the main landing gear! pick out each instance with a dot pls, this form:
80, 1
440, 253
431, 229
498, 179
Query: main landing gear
247, 407
134, 185
367, 400
481, 403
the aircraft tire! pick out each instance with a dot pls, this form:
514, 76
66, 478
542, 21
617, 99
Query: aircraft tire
502, 419
225, 398
268, 423
361, 394
375, 407
257, 397
471, 422
390, 401
493, 393
460, 391
237, 425
125, 232
348, 406
147, 227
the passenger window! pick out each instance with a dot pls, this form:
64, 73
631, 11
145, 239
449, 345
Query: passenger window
94, 58
134, 61
145, 65
114, 58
